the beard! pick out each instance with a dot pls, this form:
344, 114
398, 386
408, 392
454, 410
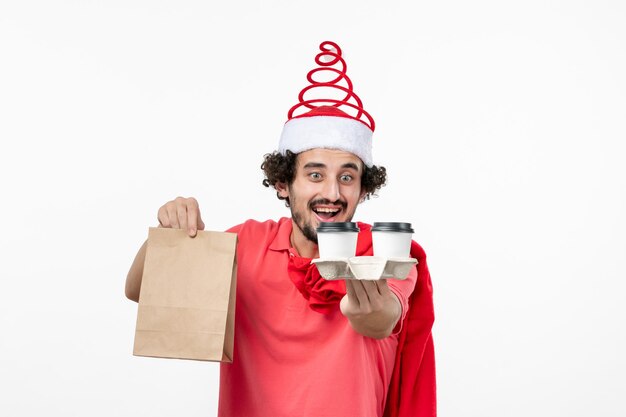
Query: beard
306, 227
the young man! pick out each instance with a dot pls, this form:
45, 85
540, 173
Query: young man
305, 346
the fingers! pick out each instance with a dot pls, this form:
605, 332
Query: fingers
163, 217
367, 296
199, 222
350, 291
360, 293
383, 288
374, 296
181, 213
194, 222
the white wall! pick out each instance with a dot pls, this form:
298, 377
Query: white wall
501, 123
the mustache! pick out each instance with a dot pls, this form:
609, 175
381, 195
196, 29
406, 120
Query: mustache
324, 201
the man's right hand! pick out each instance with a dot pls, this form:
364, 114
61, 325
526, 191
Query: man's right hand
181, 213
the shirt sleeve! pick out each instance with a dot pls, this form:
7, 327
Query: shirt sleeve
403, 289
235, 229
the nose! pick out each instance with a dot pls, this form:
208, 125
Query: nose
330, 191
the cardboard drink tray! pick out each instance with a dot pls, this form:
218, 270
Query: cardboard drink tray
364, 267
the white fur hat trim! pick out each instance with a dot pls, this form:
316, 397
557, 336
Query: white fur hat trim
331, 132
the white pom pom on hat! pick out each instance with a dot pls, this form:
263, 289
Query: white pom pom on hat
327, 123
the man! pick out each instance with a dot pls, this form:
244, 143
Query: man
305, 346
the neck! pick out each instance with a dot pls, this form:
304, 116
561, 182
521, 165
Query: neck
302, 245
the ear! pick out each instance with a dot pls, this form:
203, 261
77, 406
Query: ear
282, 189
362, 197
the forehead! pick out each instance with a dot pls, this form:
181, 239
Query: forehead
331, 158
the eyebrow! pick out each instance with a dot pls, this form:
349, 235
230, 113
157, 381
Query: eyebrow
314, 165
351, 165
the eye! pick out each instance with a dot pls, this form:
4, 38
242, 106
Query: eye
316, 176
346, 178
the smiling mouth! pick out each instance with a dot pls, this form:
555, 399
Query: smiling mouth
326, 214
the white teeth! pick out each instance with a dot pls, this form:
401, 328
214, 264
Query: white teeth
326, 210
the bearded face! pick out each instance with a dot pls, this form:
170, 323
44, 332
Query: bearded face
326, 188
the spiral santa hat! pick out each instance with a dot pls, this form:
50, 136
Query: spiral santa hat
332, 123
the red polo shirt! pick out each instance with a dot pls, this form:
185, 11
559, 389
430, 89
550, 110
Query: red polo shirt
288, 359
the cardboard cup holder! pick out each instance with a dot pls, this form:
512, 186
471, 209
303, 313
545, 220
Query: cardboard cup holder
364, 267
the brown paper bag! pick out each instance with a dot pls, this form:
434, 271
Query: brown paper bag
187, 298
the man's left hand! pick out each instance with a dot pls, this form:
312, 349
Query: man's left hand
370, 306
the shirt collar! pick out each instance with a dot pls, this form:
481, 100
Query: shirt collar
282, 238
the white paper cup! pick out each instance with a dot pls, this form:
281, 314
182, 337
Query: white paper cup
337, 239
392, 240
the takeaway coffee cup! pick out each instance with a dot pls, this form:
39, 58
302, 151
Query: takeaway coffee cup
391, 239
337, 239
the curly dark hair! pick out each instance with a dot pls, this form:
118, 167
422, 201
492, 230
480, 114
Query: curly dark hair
282, 168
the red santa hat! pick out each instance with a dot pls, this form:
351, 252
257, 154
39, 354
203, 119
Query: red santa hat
327, 122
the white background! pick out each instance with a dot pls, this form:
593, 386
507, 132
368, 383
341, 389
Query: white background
501, 123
